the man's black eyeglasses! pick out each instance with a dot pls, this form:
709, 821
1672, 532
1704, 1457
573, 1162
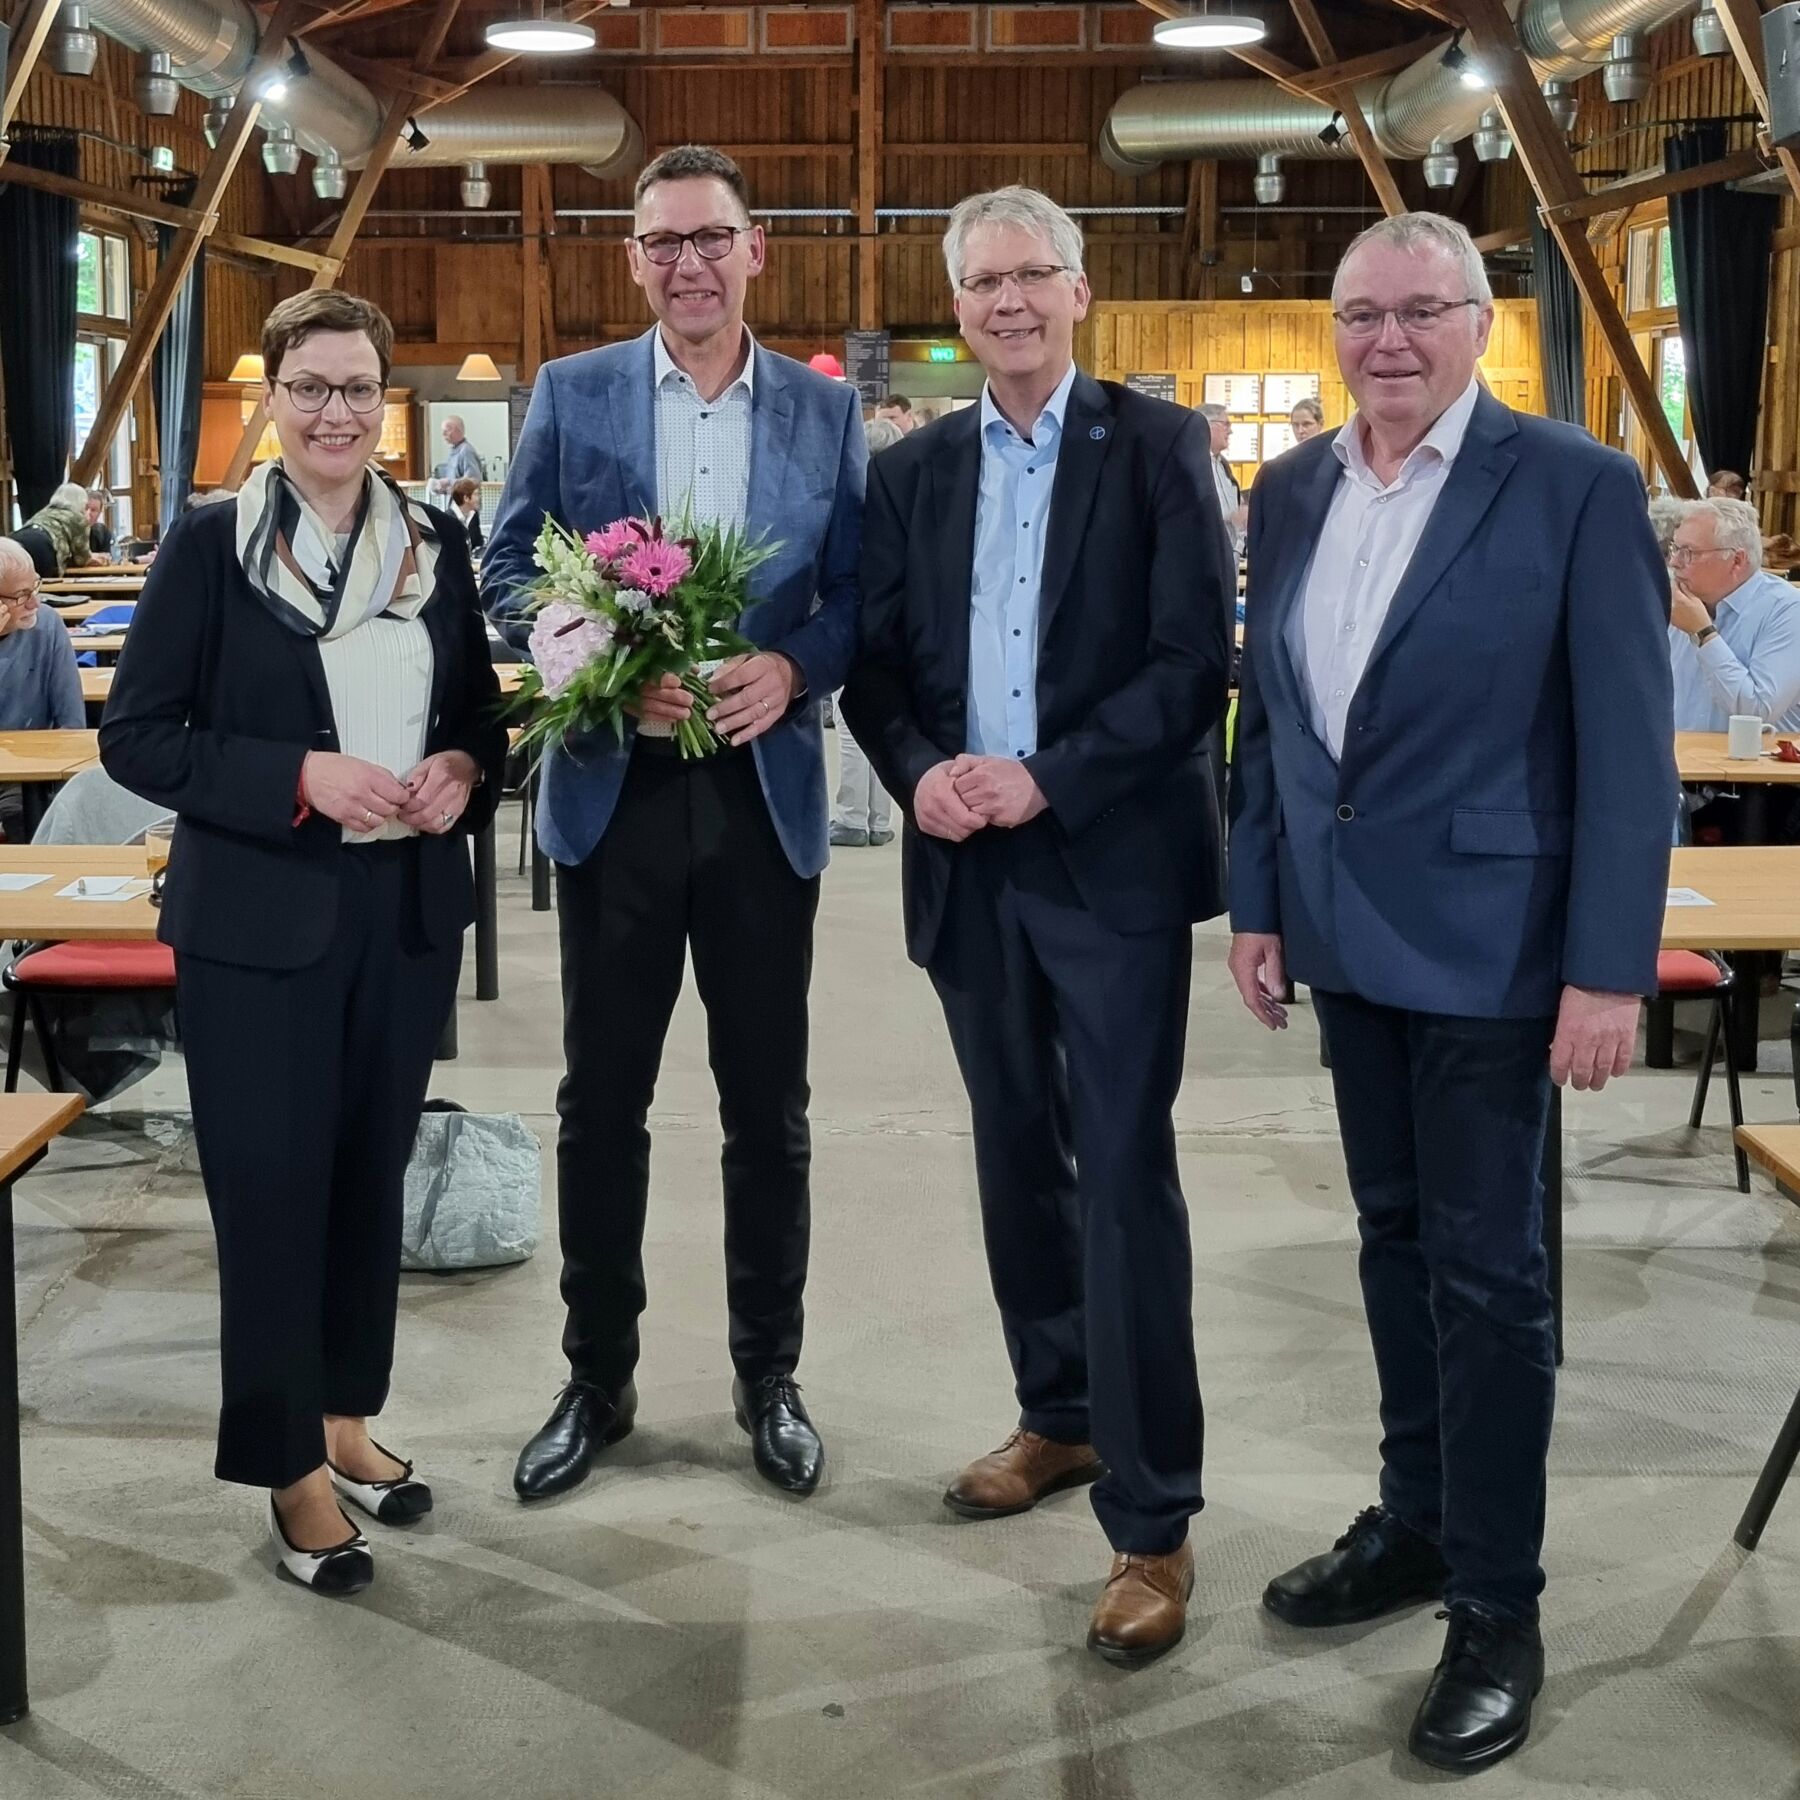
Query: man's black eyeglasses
711, 241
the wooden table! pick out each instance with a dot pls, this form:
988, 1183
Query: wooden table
36, 760
84, 610
108, 643
40, 913
27, 1124
96, 684
117, 583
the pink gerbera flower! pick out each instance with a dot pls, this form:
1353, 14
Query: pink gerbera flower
655, 566
612, 543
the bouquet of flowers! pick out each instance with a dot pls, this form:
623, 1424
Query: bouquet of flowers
624, 606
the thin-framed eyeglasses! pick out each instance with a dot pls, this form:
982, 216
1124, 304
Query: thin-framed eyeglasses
713, 242
1025, 278
24, 597
309, 394
1683, 554
1419, 318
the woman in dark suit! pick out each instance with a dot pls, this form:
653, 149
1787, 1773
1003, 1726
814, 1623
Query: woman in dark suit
307, 685
465, 501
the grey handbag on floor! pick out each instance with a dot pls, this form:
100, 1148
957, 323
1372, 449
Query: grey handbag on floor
473, 1187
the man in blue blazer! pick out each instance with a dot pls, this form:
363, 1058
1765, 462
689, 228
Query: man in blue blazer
1450, 819
658, 856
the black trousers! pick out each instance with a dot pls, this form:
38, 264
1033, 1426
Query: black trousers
1443, 1124
306, 1087
1070, 1038
690, 858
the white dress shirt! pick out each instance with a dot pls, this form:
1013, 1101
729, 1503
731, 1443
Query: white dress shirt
1230, 498
379, 679
1371, 531
702, 446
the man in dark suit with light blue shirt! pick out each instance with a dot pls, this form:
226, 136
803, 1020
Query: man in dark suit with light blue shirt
1450, 806
659, 857
1044, 650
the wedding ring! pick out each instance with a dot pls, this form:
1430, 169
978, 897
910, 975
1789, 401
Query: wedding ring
446, 818
368, 817
762, 708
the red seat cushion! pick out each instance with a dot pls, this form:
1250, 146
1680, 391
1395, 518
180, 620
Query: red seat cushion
124, 964
1686, 972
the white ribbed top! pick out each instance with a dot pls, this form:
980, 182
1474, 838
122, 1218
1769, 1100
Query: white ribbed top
379, 676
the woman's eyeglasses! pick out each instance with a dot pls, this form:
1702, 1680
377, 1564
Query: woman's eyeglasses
308, 394
1032, 275
711, 241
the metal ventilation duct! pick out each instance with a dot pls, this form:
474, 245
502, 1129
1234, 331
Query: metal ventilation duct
1425, 101
212, 43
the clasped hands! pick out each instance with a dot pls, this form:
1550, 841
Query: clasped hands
361, 795
755, 690
958, 798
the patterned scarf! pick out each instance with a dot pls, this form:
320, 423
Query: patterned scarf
292, 558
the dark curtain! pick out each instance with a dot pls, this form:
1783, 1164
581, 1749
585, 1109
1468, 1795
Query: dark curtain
1720, 244
1559, 326
177, 369
37, 315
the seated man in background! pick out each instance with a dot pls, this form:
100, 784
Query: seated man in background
40, 686
56, 535
100, 533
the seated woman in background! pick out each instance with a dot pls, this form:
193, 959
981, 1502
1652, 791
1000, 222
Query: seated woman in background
308, 688
465, 508
56, 535
1307, 419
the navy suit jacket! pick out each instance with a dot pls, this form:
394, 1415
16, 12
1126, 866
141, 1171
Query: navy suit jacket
1133, 652
1498, 826
587, 455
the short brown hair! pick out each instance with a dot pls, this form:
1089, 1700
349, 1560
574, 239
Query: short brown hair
325, 309
464, 492
895, 403
693, 162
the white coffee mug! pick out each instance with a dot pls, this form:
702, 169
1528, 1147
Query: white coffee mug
1744, 736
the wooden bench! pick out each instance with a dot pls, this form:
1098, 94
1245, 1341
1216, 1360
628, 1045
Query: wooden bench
28, 1122
1775, 1149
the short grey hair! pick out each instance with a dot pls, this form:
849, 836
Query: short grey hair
1023, 207
1666, 514
72, 495
882, 434
1213, 410
1416, 231
14, 556
1735, 525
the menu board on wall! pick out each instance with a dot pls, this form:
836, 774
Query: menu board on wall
1244, 445
1276, 438
1281, 391
868, 356
1158, 386
1239, 394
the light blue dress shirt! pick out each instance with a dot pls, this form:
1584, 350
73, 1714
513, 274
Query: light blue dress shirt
1752, 666
1012, 510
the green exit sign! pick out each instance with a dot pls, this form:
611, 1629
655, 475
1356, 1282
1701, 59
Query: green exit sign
941, 353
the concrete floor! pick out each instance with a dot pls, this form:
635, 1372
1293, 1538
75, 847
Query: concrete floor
677, 1629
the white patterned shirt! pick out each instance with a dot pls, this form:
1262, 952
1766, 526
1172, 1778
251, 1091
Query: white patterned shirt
702, 446
1370, 533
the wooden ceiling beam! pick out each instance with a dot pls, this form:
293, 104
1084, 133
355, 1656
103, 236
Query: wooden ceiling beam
870, 119
1321, 82
1658, 184
1544, 153
396, 78
1343, 97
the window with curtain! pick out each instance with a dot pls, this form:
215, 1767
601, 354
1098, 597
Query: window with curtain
103, 321
1650, 314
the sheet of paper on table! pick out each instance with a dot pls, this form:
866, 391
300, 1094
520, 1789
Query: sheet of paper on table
104, 887
17, 884
1687, 897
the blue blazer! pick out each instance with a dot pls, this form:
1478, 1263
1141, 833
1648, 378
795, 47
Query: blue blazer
587, 455
1499, 824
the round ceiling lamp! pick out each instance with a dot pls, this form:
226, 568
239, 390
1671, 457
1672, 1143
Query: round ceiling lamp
544, 32
1208, 30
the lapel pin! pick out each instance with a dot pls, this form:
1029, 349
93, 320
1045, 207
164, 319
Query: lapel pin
1098, 432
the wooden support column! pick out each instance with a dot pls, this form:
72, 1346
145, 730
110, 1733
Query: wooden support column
1343, 97
356, 208
1557, 183
870, 100
531, 272
178, 262
29, 37
1742, 20
1200, 229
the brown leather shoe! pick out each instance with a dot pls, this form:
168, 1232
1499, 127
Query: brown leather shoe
1014, 1478
1142, 1610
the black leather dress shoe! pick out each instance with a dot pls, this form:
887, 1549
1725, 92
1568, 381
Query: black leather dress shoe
782, 1438
583, 1422
1378, 1566
1478, 1706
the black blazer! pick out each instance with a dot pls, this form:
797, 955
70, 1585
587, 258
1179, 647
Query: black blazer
212, 712
1134, 651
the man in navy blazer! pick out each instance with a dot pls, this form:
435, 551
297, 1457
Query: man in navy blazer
658, 856
1044, 652
1450, 819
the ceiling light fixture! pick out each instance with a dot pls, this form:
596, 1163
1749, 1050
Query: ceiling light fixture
1463, 66
1209, 30
541, 32
478, 366
1333, 132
